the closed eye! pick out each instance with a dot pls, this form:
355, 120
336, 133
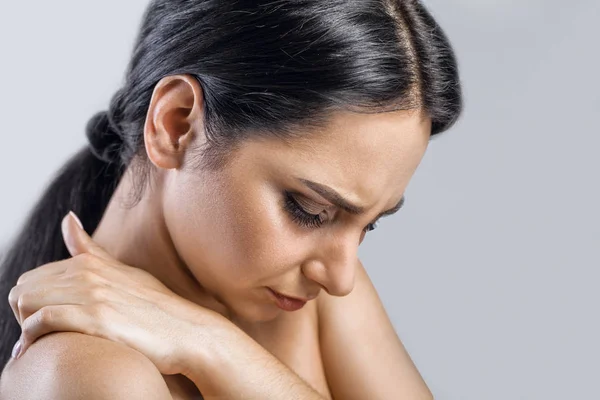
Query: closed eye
299, 214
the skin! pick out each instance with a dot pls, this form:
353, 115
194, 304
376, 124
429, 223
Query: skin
221, 237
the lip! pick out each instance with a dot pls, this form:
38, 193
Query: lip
288, 303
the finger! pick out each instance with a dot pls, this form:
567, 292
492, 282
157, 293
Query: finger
64, 318
54, 268
26, 300
78, 241
13, 299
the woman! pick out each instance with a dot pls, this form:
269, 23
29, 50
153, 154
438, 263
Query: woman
227, 188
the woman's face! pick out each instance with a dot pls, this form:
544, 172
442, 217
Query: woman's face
273, 218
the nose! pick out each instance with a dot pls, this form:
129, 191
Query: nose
334, 265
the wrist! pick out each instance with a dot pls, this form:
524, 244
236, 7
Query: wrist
227, 363
207, 359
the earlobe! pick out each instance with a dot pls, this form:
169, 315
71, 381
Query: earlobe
174, 120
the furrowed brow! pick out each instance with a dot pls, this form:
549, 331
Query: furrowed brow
334, 197
339, 201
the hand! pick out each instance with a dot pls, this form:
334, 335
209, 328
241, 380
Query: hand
94, 294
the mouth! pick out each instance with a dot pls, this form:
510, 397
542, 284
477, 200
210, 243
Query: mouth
288, 303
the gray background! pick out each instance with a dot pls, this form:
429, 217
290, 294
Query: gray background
489, 274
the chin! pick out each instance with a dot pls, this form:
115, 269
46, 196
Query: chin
254, 313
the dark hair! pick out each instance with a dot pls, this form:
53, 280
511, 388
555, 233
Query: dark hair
265, 67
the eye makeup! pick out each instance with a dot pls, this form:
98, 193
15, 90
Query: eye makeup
297, 209
299, 213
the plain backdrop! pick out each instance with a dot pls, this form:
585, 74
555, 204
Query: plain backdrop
490, 273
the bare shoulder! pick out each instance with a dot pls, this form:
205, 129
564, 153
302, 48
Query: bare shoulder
363, 356
74, 366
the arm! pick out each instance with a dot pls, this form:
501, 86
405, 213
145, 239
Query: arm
362, 354
233, 366
146, 319
72, 366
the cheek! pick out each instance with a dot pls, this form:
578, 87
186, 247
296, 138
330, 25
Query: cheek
264, 241
198, 224
233, 236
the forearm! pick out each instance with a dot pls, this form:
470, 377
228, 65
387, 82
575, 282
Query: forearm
236, 367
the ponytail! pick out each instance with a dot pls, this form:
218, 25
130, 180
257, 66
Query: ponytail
84, 185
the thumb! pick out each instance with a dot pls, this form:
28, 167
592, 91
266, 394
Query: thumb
77, 240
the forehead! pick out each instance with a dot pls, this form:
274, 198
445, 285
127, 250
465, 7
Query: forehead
365, 157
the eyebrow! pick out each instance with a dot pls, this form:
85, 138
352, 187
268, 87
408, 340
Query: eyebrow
339, 201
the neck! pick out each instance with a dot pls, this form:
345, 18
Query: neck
138, 236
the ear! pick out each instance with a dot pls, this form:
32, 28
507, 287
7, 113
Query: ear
174, 119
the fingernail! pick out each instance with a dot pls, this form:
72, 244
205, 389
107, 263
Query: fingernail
16, 352
66, 232
76, 218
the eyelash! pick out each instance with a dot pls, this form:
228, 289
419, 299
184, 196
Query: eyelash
299, 215
308, 220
